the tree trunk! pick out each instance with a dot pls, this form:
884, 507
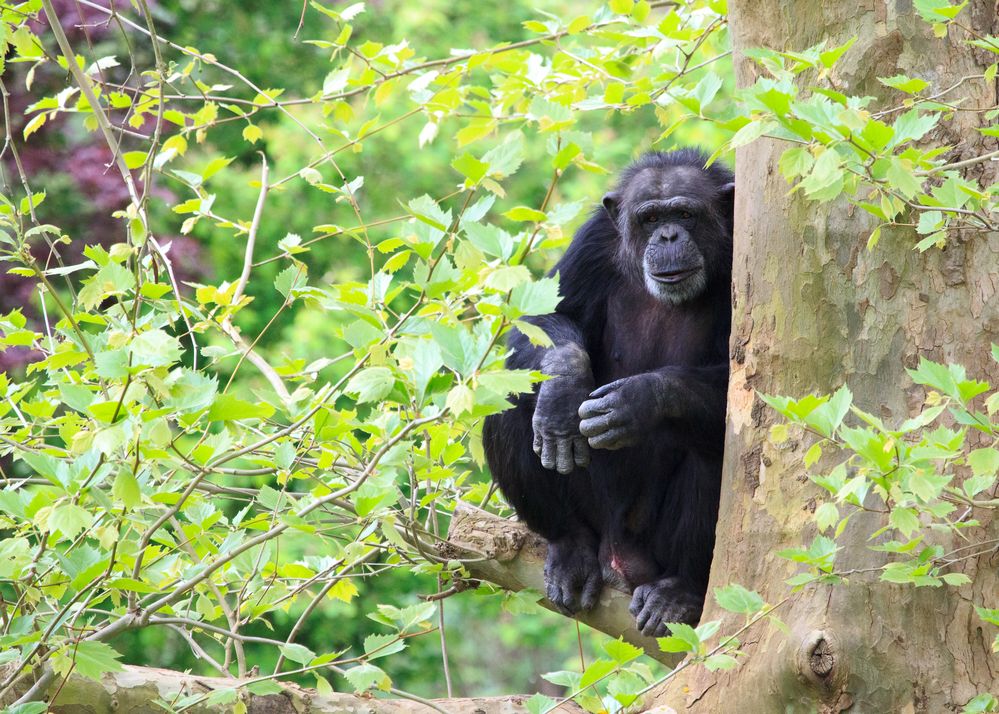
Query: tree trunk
815, 309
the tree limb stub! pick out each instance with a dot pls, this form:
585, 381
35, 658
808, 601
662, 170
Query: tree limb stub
136, 689
513, 557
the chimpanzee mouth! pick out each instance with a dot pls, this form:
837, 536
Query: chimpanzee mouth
671, 277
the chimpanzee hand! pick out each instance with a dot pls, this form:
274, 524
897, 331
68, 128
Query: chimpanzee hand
617, 414
556, 415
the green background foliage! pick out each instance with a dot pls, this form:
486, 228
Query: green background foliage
259, 277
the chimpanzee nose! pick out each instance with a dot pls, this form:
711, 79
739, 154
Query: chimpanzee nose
669, 234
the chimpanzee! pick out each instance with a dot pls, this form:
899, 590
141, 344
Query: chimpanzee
616, 459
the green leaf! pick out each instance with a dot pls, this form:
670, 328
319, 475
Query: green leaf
596, 671
720, 661
507, 381
525, 213
507, 277
537, 336
621, 651
470, 167
736, 598
909, 85
826, 516
913, 126
906, 520
536, 298
371, 385
264, 688
154, 348
426, 210
955, 579
491, 240
126, 488
750, 133
134, 159
94, 659
365, 676
460, 400
35, 708
981, 704
383, 645
829, 57
935, 11
297, 653
538, 704
252, 133
292, 277
795, 162
984, 461
69, 519
230, 408
505, 159
683, 638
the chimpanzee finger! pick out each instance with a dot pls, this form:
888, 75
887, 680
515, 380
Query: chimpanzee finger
548, 453
538, 441
611, 439
648, 619
591, 591
581, 452
563, 455
595, 407
597, 425
637, 601
557, 599
654, 625
605, 389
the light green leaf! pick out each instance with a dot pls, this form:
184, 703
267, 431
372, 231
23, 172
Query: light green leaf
736, 598
371, 385
154, 348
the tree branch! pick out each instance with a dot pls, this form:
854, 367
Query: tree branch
513, 557
137, 688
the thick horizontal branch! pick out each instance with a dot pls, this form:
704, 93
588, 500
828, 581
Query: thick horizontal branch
513, 557
136, 689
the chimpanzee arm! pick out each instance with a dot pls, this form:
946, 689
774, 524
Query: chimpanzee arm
574, 328
688, 401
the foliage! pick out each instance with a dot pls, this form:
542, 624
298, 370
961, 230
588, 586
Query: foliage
171, 464
231, 447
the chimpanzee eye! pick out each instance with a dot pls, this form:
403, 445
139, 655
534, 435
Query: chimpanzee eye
685, 215
649, 217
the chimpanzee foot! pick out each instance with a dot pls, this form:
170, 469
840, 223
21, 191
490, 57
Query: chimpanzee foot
572, 576
661, 601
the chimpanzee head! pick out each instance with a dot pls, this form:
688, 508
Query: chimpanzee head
674, 218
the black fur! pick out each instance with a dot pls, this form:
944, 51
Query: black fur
641, 515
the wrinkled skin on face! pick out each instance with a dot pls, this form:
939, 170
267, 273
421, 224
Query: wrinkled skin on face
671, 230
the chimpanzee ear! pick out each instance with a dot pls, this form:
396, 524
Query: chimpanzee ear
612, 201
726, 198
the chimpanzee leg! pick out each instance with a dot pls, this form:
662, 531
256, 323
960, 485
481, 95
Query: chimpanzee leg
558, 507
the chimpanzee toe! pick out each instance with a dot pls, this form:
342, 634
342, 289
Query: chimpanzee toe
663, 601
572, 577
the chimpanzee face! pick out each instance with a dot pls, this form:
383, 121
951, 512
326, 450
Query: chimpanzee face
673, 227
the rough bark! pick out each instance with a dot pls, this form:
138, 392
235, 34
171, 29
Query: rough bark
509, 555
815, 309
136, 689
